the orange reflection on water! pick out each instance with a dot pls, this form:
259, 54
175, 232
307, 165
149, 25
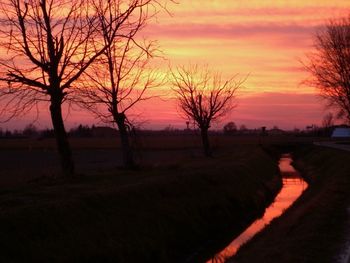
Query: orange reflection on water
293, 186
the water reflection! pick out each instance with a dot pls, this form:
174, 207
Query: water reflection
293, 186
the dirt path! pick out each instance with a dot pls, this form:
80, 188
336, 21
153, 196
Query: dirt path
345, 254
335, 145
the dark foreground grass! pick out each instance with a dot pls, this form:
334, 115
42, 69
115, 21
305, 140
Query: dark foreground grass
158, 214
312, 230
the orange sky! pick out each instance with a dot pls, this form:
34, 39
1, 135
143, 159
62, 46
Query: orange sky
264, 39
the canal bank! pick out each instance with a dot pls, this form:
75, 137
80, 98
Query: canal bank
314, 228
154, 214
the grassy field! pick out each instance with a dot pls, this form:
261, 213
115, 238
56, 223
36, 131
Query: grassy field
172, 206
313, 229
23, 160
155, 142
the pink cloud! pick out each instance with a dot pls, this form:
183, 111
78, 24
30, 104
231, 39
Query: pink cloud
226, 31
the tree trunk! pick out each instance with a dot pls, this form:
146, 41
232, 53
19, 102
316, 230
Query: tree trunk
205, 141
127, 153
63, 146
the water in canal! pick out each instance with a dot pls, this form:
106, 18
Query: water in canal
293, 186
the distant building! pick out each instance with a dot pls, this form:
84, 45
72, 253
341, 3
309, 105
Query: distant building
104, 132
276, 131
341, 132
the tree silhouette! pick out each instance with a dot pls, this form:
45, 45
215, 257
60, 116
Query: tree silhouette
203, 97
328, 120
50, 43
30, 130
230, 128
121, 76
329, 65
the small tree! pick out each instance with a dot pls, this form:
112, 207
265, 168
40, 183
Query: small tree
328, 120
203, 97
30, 130
230, 128
328, 123
329, 65
243, 129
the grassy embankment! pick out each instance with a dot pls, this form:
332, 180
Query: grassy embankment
313, 229
154, 214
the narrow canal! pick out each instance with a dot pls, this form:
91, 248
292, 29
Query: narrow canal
293, 187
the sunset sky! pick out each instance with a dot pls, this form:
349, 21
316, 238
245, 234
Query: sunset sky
265, 39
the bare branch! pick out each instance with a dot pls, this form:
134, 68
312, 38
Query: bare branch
120, 78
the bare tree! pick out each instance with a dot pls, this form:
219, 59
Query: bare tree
119, 79
204, 97
328, 120
230, 128
329, 65
327, 124
50, 43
